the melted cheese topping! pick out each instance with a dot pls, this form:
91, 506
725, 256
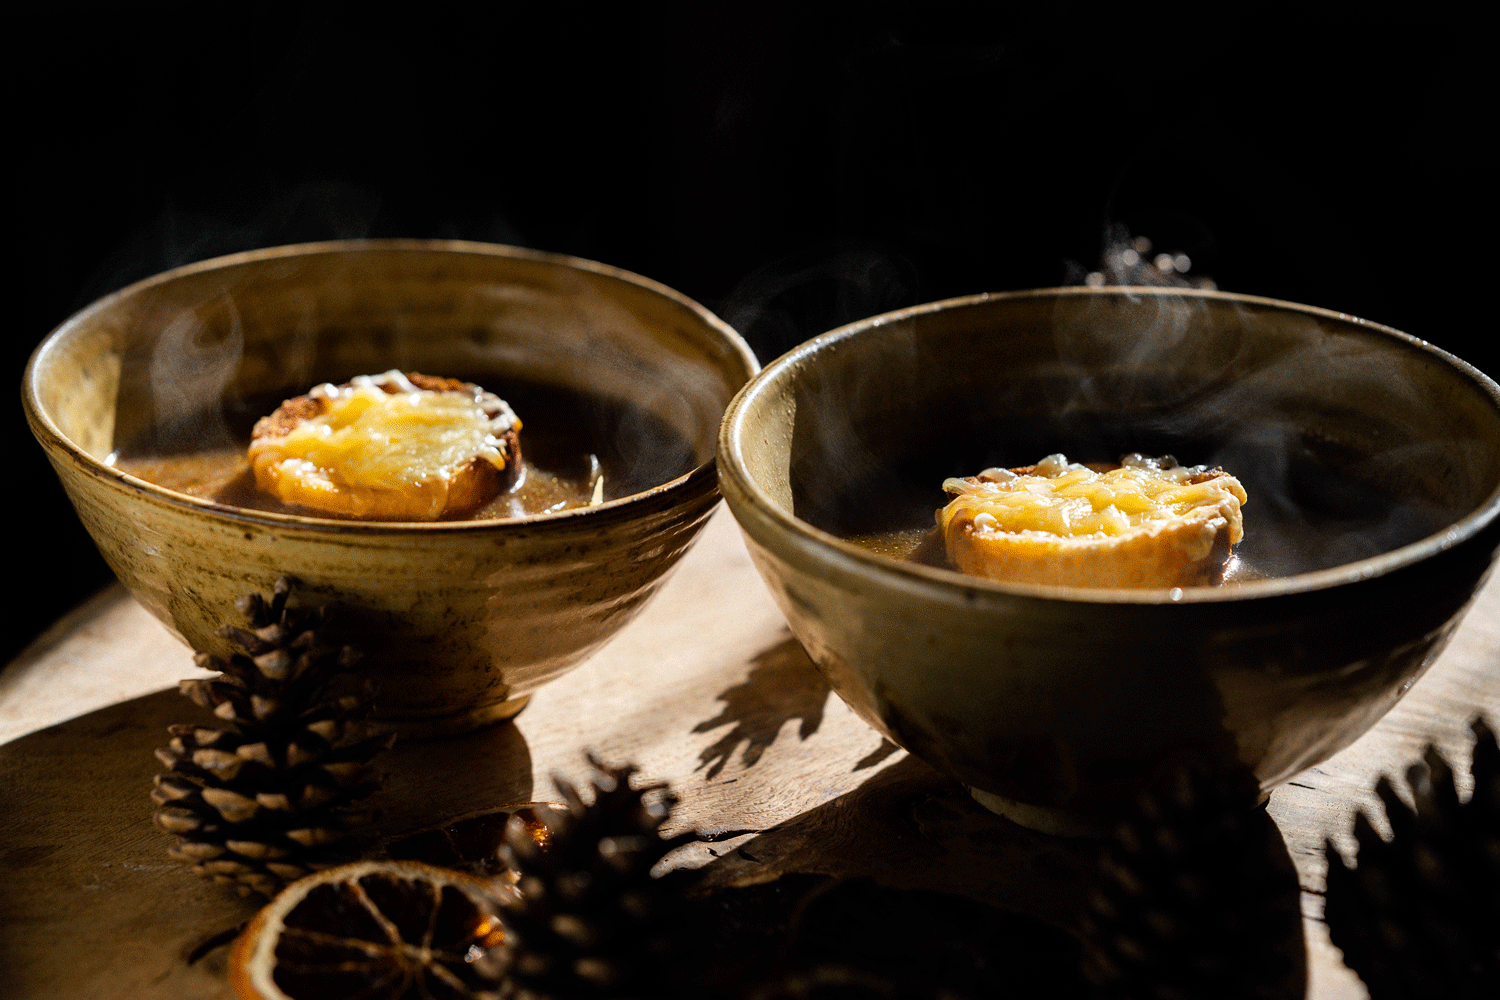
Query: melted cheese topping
383, 447
1069, 500
1146, 523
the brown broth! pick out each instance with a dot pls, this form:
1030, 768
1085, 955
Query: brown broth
924, 546
567, 440
918, 545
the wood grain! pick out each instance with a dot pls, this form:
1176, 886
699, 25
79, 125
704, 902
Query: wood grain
706, 690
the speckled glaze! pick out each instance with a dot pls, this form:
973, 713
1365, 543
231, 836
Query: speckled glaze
1372, 461
459, 621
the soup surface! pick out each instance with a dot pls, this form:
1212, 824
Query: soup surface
924, 545
1300, 519
577, 449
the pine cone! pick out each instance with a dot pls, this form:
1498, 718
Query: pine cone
1420, 915
589, 920
1197, 897
267, 797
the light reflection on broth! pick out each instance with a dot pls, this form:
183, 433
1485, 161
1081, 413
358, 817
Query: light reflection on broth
224, 476
924, 546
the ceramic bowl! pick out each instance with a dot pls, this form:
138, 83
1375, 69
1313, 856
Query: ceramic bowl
1372, 464
459, 621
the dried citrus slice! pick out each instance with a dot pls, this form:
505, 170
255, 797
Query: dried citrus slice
374, 930
1146, 522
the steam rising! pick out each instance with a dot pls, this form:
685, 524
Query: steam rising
784, 303
189, 371
1332, 434
1313, 504
1134, 261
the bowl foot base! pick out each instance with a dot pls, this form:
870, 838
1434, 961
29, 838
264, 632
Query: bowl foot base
1043, 819
454, 724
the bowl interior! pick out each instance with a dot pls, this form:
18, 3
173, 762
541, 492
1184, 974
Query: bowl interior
594, 360
1351, 440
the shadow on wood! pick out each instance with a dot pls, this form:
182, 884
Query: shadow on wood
81, 861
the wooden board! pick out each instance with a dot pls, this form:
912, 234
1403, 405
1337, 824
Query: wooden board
706, 690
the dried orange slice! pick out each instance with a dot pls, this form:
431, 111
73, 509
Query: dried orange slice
375, 930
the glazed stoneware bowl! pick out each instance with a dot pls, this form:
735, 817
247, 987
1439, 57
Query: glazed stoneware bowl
1372, 464
459, 621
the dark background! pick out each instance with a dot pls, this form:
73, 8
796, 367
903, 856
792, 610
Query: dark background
791, 168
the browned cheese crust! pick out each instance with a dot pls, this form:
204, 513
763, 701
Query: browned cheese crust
1191, 549
472, 485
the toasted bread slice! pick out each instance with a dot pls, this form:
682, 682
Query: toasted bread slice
391, 447
1143, 523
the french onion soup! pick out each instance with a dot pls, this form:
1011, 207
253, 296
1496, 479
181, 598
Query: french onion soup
403, 446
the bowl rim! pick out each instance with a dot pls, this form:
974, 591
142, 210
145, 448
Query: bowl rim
53, 439
741, 491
